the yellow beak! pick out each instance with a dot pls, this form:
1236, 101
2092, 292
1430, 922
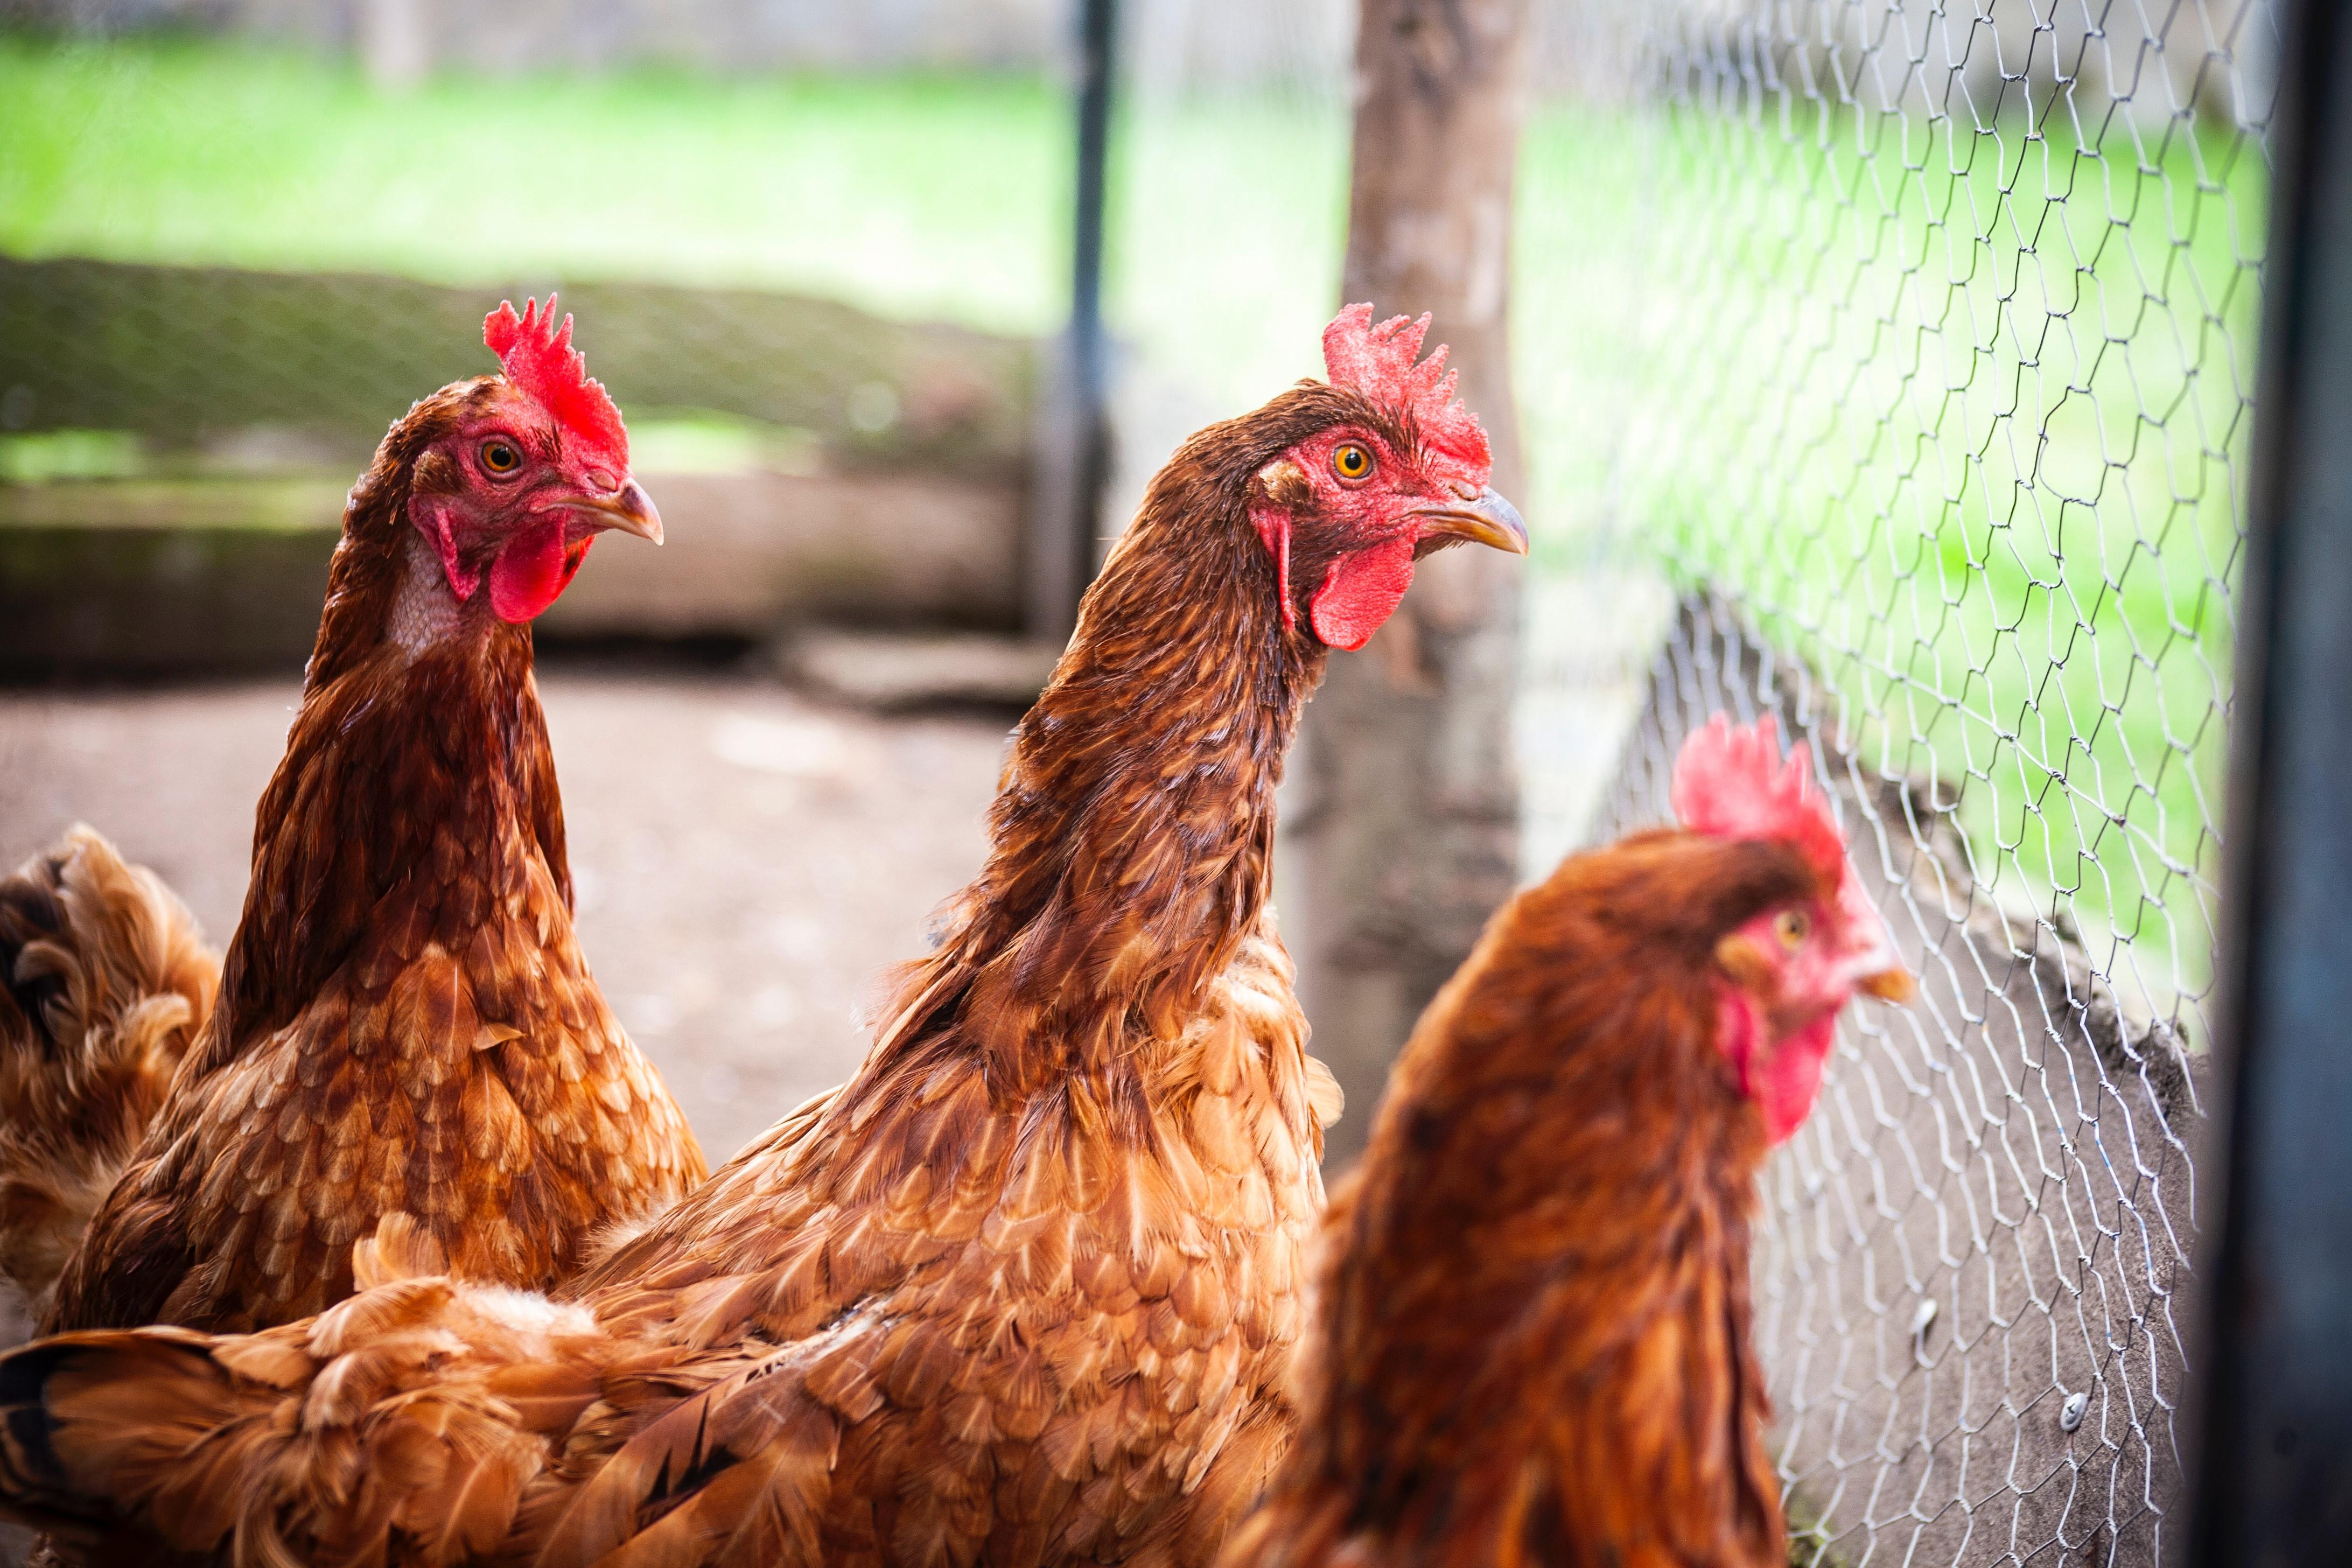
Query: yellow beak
1487, 520
628, 508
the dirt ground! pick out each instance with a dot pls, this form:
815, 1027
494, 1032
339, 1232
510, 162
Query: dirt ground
747, 862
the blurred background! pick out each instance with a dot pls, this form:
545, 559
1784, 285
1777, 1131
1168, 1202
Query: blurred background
1885, 366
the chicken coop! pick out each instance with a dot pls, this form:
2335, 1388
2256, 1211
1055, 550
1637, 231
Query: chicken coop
1887, 366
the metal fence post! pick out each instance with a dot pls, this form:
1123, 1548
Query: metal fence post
2275, 1474
1072, 448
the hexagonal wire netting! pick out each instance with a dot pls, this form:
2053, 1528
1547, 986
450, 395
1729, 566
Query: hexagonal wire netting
1917, 360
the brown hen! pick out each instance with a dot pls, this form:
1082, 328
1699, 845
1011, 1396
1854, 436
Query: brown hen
1530, 1343
406, 1023
1023, 1291
104, 982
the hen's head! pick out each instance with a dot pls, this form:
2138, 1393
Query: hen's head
1783, 974
1396, 468
531, 467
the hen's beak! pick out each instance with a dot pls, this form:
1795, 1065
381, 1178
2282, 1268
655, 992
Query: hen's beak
1871, 966
1894, 984
1487, 519
1877, 969
628, 508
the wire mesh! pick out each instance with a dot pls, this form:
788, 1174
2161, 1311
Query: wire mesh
1911, 346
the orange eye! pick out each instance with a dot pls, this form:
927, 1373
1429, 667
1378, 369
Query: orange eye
1351, 462
1791, 928
500, 457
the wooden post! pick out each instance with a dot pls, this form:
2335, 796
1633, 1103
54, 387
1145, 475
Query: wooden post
395, 43
1405, 832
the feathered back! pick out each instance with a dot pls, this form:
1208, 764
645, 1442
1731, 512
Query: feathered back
104, 982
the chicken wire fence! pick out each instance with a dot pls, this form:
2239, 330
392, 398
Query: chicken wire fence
1906, 370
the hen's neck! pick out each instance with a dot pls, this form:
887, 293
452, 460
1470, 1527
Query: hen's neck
1133, 830
415, 783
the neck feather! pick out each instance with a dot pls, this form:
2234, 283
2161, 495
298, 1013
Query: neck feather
407, 755
1133, 831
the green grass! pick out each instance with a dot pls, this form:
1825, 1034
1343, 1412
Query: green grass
911, 196
51, 455
1227, 226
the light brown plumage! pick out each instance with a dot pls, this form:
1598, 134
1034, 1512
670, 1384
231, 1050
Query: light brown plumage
405, 1023
104, 982
1024, 1291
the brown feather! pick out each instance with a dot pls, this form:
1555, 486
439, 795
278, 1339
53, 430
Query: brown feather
1531, 1343
104, 984
406, 1023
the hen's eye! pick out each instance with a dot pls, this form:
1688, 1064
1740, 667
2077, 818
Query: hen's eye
1791, 928
501, 456
1351, 461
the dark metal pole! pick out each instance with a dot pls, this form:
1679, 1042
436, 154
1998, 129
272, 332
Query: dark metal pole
2274, 1471
1095, 39
1073, 445
1088, 346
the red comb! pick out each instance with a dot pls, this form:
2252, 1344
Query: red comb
538, 356
1730, 782
1378, 361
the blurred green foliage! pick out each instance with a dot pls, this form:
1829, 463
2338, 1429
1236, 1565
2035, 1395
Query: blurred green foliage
191, 357
913, 196
940, 198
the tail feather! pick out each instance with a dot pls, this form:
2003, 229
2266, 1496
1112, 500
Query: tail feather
376, 1433
104, 984
99, 1426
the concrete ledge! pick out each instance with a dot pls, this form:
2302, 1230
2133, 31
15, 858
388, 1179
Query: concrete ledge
811, 460
908, 670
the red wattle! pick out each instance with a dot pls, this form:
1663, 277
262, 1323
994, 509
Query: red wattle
571, 560
1360, 592
1783, 1076
531, 571
1790, 1079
